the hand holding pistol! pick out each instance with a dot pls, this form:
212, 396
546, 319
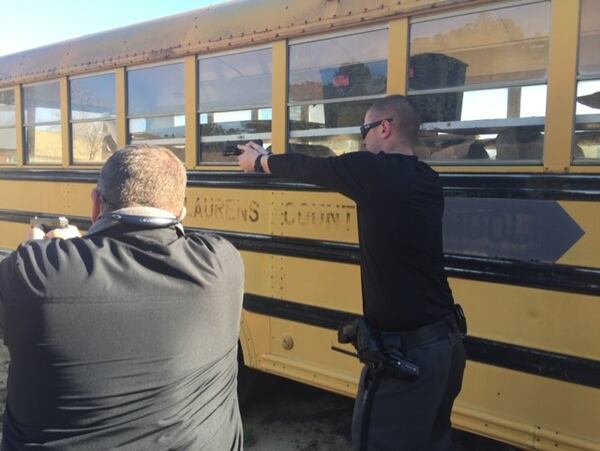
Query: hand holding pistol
46, 227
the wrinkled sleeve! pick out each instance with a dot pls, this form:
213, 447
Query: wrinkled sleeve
7, 277
345, 173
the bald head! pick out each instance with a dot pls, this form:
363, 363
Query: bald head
405, 118
143, 175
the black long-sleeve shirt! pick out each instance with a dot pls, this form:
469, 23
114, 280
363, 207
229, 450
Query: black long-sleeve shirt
400, 206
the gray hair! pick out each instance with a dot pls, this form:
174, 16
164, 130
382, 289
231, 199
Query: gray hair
143, 175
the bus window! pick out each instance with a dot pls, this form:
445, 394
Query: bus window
43, 140
587, 110
234, 101
332, 84
93, 122
156, 107
479, 83
8, 130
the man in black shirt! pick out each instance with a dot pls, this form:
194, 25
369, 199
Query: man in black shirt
406, 297
125, 338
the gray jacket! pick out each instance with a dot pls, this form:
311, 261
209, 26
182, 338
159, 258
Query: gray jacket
125, 338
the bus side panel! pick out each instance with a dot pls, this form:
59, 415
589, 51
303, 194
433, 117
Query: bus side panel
46, 197
554, 321
12, 234
498, 402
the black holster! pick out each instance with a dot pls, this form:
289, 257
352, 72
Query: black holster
461, 319
370, 351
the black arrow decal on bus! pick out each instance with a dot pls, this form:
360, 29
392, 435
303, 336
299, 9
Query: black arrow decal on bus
517, 229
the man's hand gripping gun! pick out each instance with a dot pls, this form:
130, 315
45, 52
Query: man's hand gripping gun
371, 353
47, 223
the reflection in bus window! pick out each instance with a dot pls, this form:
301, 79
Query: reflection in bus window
477, 80
156, 109
465, 148
41, 108
519, 143
93, 118
234, 98
505, 44
8, 130
587, 108
332, 84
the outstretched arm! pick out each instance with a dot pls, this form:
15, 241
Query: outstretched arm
346, 174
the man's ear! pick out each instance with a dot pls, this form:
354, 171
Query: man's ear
96, 204
182, 214
385, 129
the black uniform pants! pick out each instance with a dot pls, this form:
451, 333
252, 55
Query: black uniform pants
394, 414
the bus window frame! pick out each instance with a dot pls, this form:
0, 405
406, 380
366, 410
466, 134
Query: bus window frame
537, 165
332, 131
583, 118
72, 121
14, 126
59, 122
224, 165
129, 117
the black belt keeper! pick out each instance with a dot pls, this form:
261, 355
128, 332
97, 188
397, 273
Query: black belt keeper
460, 318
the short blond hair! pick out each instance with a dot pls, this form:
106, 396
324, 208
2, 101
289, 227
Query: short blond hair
143, 175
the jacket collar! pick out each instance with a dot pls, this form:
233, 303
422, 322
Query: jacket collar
105, 221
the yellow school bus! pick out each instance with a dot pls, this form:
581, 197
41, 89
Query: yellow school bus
509, 96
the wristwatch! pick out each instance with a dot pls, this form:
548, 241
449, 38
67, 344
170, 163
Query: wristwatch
258, 165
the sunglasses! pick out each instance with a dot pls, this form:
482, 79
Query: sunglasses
365, 128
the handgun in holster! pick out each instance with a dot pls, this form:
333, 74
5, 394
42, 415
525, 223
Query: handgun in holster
371, 353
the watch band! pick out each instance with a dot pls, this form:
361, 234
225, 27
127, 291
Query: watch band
258, 165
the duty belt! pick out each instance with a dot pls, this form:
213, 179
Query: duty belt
421, 336
384, 352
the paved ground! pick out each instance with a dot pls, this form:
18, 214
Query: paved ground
288, 416
283, 415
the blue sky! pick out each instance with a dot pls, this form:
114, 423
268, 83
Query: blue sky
28, 24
